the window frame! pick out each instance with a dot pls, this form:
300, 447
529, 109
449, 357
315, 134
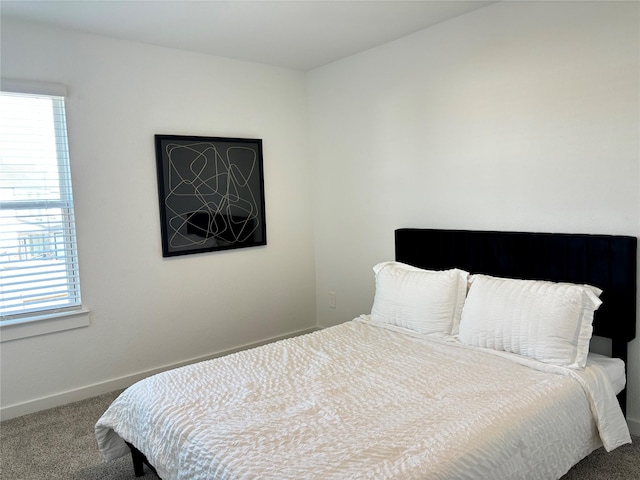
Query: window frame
61, 318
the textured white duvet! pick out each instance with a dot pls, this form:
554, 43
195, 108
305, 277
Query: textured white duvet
362, 401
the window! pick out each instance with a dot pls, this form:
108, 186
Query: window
38, 258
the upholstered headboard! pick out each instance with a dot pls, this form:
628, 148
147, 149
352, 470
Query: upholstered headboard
605, 261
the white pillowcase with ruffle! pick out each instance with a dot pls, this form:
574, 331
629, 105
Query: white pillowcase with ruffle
550, 322
425, 301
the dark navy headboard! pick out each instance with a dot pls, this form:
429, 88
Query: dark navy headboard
605, 261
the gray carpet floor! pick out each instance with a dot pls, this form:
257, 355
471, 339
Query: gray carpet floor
59, 444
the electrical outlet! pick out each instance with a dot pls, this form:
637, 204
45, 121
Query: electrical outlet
332, 299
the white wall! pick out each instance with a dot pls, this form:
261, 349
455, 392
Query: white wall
519, 116
146, 311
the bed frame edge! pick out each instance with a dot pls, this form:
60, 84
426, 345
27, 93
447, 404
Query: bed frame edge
139, 461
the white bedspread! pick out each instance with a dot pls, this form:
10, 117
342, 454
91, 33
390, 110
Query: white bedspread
360, 401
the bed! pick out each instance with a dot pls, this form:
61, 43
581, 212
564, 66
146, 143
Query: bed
438, 381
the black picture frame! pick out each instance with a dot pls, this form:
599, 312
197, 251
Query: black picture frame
211, 193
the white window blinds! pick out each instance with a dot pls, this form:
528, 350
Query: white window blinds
38, 258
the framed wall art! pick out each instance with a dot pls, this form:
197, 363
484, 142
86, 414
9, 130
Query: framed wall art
211, 192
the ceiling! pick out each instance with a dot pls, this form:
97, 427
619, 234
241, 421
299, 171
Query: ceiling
298, 34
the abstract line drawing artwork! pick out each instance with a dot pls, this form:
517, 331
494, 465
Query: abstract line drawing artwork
211, 192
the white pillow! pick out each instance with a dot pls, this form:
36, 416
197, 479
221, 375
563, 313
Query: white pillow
425, 301
551, 322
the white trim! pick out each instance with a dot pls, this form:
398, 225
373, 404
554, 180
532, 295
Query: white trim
34, 88
43, 324
634, 426
63, 398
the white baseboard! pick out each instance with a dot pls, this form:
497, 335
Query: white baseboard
82, 393
634, 426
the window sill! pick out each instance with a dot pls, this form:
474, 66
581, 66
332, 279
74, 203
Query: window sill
43, 324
